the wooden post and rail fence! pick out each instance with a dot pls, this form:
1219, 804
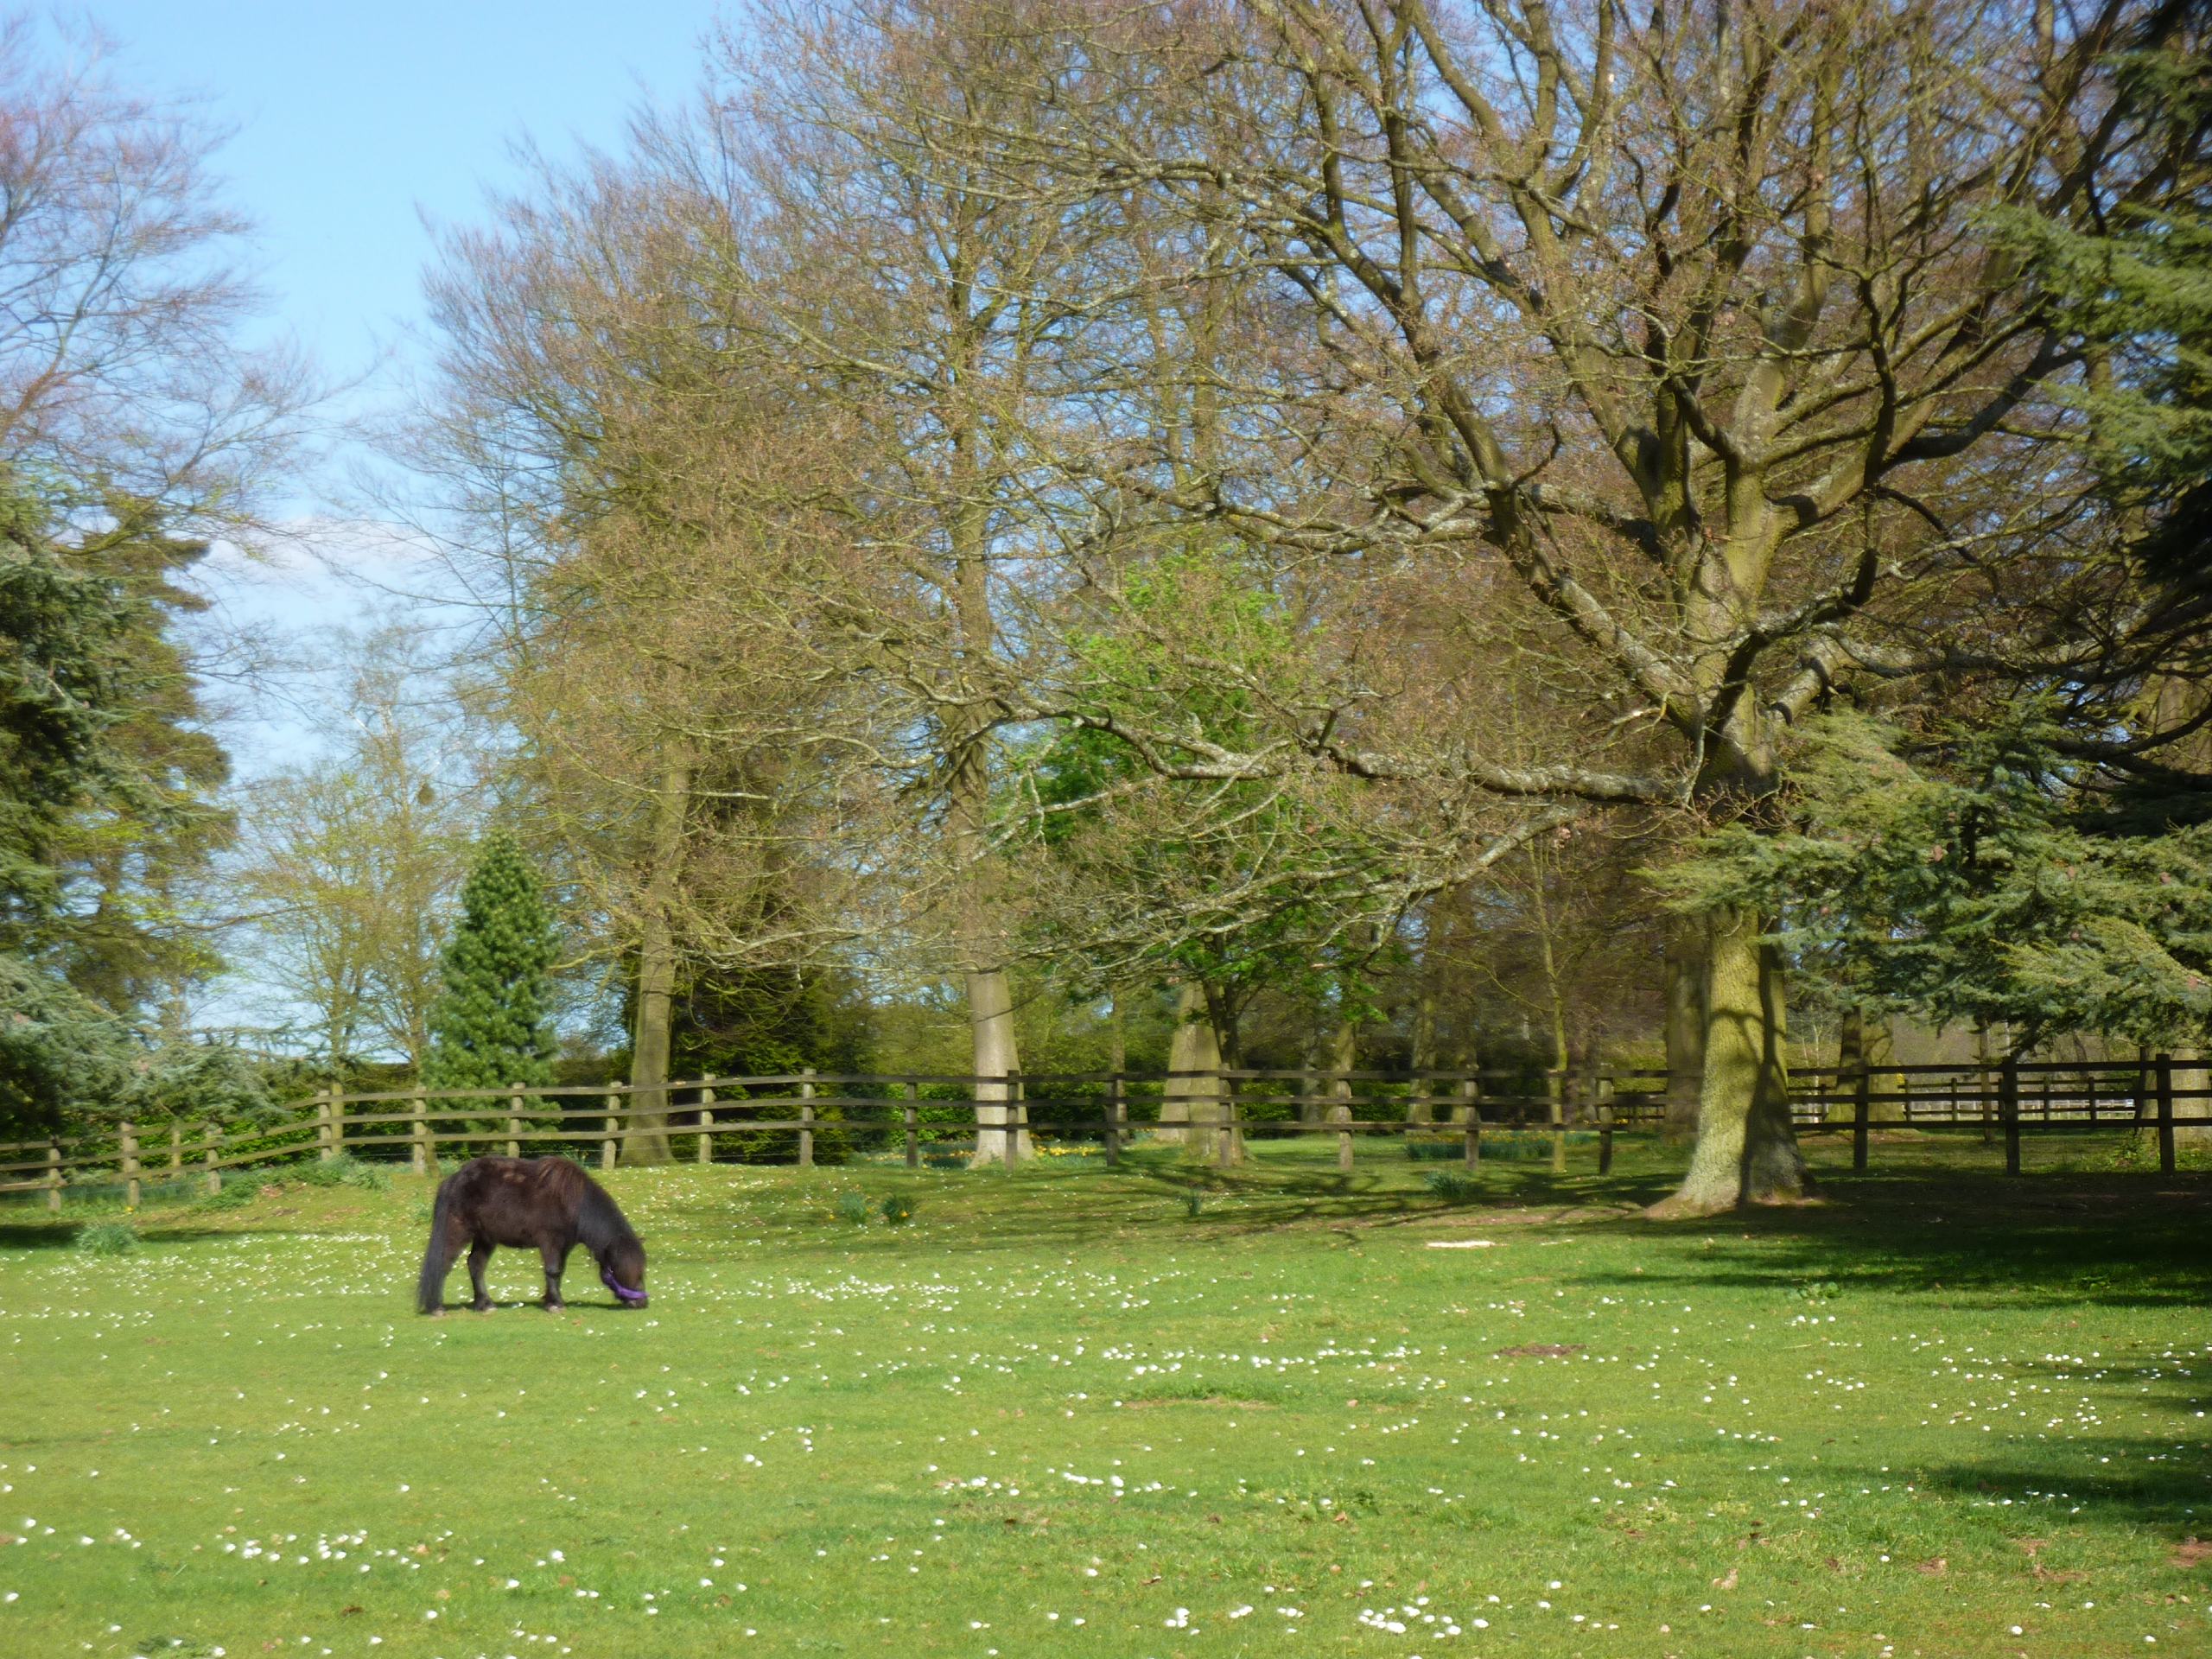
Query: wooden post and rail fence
805, 1117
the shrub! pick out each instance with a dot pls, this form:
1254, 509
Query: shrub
897, 1209
1451, 1184
852, 1207
108, 1238
234, 1194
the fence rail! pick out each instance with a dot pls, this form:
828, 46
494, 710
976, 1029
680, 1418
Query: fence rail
799, 1115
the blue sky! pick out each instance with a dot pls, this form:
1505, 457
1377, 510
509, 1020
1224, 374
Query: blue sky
352, 123
352, 120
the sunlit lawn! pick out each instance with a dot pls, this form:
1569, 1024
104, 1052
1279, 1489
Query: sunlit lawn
1060, 1412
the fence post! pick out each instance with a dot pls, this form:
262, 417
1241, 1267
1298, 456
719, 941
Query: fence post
418, 1135
705, 1124
806, 1118
1341, 1113
322, 1148
514, 1120
1114, 1121
337, 1122
1565, 1088
2165, 1114
1471, 1121
1604, 1087
176, 1149
1224, 1095
53, 1174
2008, 1108
127, 1140
913, 1125
214, 1159
606, 1146
1862, 1111
1017, 1116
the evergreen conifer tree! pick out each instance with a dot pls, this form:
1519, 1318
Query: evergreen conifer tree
490, 1026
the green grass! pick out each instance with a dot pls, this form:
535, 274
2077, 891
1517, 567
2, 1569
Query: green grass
1065, 1411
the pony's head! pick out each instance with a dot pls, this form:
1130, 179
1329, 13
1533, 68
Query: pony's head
622, 1270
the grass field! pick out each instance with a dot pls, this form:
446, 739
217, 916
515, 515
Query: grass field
1076, 1411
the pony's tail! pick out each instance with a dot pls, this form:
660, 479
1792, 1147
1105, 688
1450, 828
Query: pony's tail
437, 1261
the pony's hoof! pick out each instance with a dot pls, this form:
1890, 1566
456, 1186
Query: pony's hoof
557, 1307
480, 1307
437, 1313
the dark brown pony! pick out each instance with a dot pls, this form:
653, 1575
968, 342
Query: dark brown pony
546, 1204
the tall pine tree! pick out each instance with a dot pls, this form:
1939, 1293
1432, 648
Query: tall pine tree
491, 1025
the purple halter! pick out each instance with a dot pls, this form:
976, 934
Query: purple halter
632, 1297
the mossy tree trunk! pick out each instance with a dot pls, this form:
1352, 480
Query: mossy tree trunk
1746, 1151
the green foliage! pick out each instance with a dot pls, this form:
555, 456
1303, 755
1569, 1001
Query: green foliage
1240, 884
107, 1238
897, 1209
2140, 286
1451, 1184
1973, 882
56, 1048
201, 1082
104, 775
491, 1026
853, 1207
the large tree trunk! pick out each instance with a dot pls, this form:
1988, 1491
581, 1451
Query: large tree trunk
1343, 1056
990, 999
1421, 1108
1194, 1063
1684, 972
1229, 1053
650, 1037
1746, 1151
999, 1137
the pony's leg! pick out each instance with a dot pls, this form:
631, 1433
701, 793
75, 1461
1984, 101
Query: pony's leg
479, 1252
436, 1264
555, 1258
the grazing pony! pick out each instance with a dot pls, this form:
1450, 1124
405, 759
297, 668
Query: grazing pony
547, 1205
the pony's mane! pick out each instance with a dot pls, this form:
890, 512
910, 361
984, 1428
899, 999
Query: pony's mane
599, 1225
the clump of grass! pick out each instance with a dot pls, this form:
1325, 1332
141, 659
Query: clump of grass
1814, 1291
853, 1207
108, 1238
1194, 1201
232, 1195
897, 1209
344, 1170
1452, 1185
1433, 1151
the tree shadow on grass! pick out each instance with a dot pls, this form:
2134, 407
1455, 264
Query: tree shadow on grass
2163, 1485
2102, 1240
